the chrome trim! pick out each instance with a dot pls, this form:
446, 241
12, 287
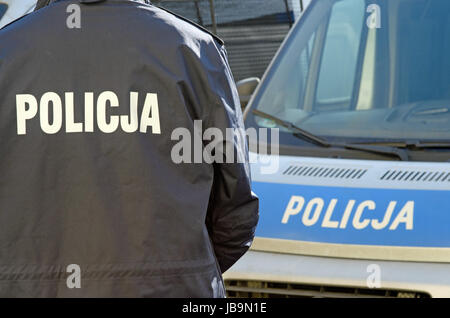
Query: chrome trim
353, 251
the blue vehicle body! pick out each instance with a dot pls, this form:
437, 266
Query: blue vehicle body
357, 74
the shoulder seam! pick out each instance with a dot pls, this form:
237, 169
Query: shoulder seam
218, 39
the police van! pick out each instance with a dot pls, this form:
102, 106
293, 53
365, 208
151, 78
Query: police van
360, 203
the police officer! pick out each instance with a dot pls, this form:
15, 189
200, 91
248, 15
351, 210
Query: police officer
92, 201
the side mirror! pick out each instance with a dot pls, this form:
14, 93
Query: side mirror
245, 88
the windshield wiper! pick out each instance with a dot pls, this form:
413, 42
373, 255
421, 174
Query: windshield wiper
306, 135
412, 145
422, 145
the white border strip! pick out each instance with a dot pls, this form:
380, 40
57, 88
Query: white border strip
385, 253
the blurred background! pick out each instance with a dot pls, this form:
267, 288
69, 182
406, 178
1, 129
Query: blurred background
252, 29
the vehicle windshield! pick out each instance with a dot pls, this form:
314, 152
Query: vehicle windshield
367, 69
11, 10
3, 7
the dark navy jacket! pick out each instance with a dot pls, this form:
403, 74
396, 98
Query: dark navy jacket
87, 176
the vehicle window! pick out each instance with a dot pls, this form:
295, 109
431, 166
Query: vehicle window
339, 75
423, 70
3, 7
290, 88
340, 54
11, 10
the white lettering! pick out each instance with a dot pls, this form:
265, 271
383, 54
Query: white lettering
51, 119
327, 219
71, 125
89, 112
347, 212
357, 223
314, 207
24, 114
387, 217
317, 204
131, 125
406, 216
103, 125
150, 115
294, 206
56, 125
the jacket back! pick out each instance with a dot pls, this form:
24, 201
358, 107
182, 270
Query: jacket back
87, 115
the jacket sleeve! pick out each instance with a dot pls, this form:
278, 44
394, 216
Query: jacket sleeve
233, 208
